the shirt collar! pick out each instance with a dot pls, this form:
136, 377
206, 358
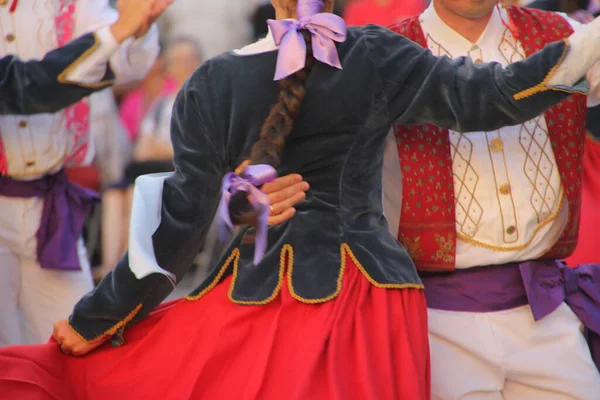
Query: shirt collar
436, 28
261, 46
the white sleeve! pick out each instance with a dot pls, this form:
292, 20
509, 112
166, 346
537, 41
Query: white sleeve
581, 60
92, 68
134, 58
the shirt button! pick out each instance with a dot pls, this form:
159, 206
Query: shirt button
511, 230
504, 188
22, 124
497, 145
3, 3
10, 37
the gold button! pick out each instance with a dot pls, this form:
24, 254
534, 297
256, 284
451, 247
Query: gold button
504, 188
3, 3
22, 124
478, 61
511, 230
497, 144
10, 37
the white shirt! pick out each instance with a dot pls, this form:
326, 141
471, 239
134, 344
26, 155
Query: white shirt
510, 202
38, 144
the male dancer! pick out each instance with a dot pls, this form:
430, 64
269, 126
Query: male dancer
485, 216
43, 264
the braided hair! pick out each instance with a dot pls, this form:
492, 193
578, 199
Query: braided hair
277, 126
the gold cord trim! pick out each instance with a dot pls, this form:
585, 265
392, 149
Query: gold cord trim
62, 77
321, 300
541, 87
592, 137
345, 248
289, 251
112, 330
285, 249
521, 246
235, 256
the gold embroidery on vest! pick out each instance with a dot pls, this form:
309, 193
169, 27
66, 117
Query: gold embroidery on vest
446, 250
412, 245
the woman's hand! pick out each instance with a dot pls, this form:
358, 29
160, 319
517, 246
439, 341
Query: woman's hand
70, 343
284, 193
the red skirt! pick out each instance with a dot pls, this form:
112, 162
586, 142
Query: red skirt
367, 344
587, 244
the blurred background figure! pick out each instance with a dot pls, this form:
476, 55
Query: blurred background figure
152, 150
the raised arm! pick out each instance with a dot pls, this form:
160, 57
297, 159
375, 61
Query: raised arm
159, 258
34, 87
462, 96
75, 70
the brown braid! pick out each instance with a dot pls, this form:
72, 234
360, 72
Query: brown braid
277, 126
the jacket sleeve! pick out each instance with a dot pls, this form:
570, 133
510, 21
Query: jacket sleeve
35, 87
459, 95
189, 200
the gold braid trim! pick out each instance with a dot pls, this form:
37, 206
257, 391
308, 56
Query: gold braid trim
346, 250
285, 249
62, 77
234, 257
324, 299
289, 251
541, 87
112, 330
592, 137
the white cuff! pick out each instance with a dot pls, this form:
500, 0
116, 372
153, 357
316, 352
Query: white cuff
583, 53
92, 67
145, 219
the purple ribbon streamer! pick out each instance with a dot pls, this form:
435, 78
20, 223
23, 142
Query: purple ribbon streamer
255, 175
325, 28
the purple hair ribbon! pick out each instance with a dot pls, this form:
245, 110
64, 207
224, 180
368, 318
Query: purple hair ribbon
255, 175
325, 28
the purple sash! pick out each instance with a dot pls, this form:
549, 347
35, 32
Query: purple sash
65, 206
544, 285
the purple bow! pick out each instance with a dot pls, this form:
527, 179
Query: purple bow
256, 175
548, 286
325, 29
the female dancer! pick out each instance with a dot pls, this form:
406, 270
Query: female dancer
334, 308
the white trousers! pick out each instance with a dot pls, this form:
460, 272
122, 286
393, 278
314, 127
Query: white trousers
32, 299
507, 355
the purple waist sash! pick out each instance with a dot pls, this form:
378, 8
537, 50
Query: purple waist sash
544, 285
65, 206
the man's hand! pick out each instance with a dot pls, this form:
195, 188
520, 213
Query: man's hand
284, 193
136, 17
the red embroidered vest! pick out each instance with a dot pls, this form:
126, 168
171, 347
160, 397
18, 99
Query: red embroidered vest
428, 221
76, 116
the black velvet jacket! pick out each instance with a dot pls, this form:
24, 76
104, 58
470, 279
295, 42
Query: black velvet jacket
36, 87
337, 145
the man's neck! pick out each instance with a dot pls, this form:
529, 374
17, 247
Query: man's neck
469, 28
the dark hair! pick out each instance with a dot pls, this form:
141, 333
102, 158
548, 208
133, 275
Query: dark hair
277, 126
